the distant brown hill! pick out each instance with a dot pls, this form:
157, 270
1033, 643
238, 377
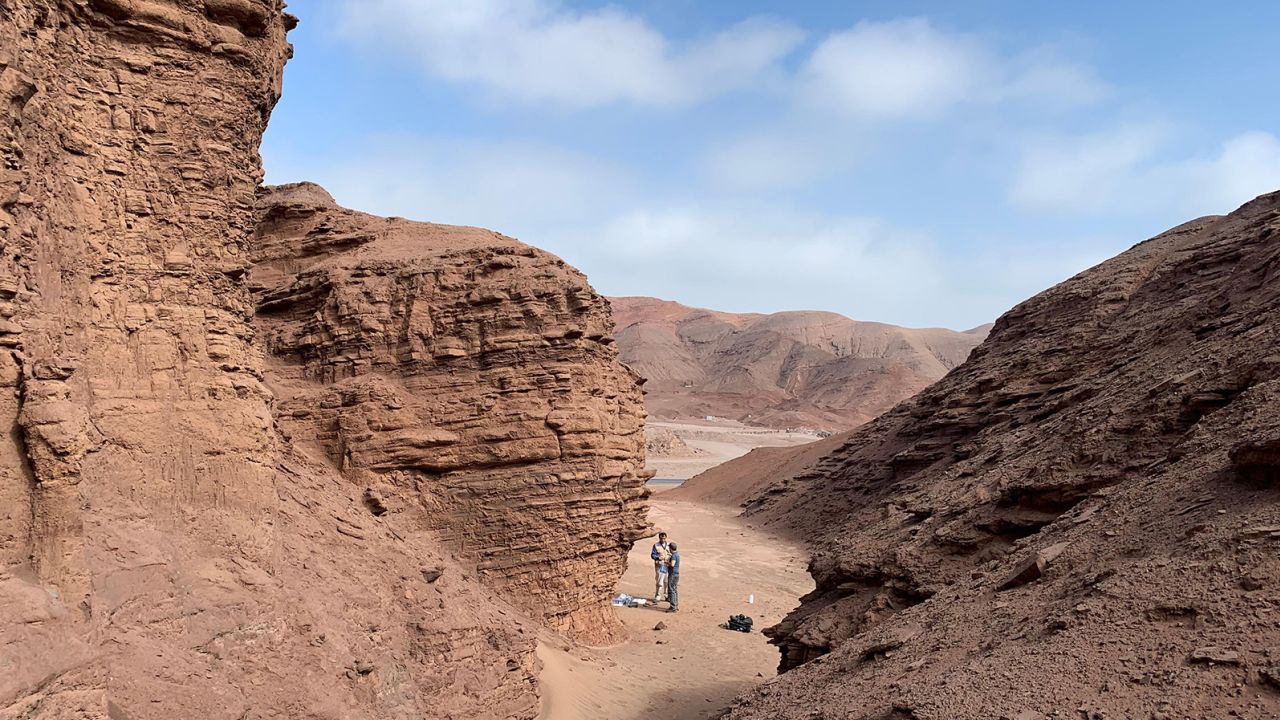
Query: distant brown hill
789, 369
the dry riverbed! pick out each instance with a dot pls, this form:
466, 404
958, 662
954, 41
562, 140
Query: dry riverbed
693, 668
680, 450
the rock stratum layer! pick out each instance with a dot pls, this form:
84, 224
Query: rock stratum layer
815, 370
211, 506
455, 370
1082, 520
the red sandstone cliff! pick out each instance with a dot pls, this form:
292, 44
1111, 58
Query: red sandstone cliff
1082, 520
207, 514
465, 379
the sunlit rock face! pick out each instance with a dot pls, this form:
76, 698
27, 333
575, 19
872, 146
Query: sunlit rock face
177, 538
460, 371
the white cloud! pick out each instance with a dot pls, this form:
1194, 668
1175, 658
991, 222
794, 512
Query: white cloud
1128, 170
1043, 77
1082, 173
860, 81
907, 68
504, 185
776, 258
784, 159
538, 51
768, 259
894, 69
635, 239
1248, 165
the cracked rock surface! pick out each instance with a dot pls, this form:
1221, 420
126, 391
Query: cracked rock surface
1081, 520
212, 506
462, 374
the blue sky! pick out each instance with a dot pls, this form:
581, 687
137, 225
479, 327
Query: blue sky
920, 163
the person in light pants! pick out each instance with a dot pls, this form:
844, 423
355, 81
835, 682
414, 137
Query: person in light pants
673, 579
661, 555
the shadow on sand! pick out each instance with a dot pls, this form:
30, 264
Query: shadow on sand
699, 702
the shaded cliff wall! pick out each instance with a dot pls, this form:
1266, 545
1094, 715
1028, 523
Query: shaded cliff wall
1084, 517
457, 370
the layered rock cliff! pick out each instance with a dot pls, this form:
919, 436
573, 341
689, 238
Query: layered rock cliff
1082, 520
169, 547
809, 369
467, 376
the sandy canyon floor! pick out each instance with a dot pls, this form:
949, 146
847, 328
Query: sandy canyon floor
692, 668
680, 450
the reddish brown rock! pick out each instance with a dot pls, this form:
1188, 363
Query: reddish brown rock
1131, 412
816, 370
165, 550
133, 521
1032, 568
1258, 460
1217, 655
465, 377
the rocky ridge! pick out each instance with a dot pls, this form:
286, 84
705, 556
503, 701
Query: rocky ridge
200, 516
1081, 520
813, 370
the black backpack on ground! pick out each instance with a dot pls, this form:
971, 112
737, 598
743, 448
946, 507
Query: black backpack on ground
741, 623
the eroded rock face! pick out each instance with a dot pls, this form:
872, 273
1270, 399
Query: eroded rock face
457, 371
130, 162
128, 147
1066, 518
164, 551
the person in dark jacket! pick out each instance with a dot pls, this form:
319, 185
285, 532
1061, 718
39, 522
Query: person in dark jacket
673, 579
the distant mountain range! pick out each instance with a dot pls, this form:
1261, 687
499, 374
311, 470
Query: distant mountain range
809, 369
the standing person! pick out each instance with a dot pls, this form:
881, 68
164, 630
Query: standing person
661, 555
673, 579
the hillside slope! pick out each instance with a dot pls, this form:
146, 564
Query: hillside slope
736, 481
1083, 520
791, 369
